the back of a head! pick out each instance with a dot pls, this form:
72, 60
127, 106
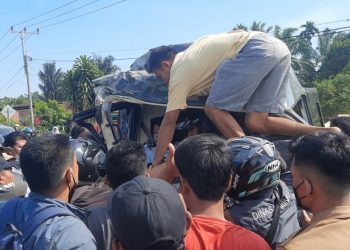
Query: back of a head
76, 131
157, 55
10, 139
206, 163
342, 122
256, 166
125, 161
147, 213
327, 154
44, 160
90, 158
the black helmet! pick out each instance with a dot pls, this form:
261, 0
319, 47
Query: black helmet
90, 158
256, 166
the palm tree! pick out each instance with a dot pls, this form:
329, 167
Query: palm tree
324, 43
240, 27
309, 30
106, 64
50, 78
78, 85
260, 26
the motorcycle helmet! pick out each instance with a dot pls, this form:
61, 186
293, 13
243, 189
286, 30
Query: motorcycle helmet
256, 166
90, 158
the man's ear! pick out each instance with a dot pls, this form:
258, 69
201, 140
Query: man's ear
165, 64
229, 183
116, 245
188, 219
69, 175
106, 181
308, 187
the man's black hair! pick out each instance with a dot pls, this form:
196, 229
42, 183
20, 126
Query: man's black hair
342, 122
125, 161
12, 138
76, 131
44, 160
206, 163
157, 55
327, 152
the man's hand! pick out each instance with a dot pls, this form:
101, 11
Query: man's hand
165, 134
166, 171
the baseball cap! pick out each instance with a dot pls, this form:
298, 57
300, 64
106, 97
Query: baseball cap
146, 212
7, 164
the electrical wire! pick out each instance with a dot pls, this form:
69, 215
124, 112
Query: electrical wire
62, 14
48, 12
14, 50
12, 77
17, 80
2, 37
88, 13
59, 60
6, 46
86, 52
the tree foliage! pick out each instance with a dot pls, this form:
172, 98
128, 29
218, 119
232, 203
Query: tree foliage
78, 86
334, 94
50, 78
106, 64
51, 113
337, 57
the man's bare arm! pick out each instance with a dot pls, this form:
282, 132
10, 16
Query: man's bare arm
165, 134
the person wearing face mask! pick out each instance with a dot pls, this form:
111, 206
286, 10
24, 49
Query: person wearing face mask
45, 218
321, 181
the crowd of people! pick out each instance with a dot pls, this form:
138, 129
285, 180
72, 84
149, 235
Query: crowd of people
206, 192
209, 194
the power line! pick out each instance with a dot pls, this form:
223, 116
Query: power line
4, 34
19, 79
14, 50
65, 13
48, 12
86, 52
88, 13
59, 60
12, 77
322, 33
338, 21
6, 46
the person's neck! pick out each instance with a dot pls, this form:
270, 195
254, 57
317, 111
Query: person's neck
330, 202
60, 194
214, 209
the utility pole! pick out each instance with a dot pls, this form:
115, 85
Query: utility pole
21, 33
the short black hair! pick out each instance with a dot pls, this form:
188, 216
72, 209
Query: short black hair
44, 160
342, 122
125, 161
327, 152
13, 137
76, 131
157, 55
206, 163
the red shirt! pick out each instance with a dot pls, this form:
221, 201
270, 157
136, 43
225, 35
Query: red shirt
208, 233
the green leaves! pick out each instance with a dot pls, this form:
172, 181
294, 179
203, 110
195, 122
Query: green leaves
334, 94
51, 113
78, 86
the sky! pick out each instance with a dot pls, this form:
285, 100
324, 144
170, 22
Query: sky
129, 28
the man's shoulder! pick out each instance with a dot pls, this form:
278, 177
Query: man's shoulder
229, 235
64, 231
